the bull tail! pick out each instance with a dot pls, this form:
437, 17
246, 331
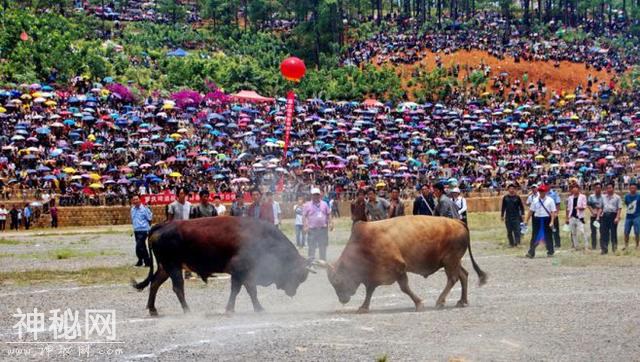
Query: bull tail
481, 274
143, 284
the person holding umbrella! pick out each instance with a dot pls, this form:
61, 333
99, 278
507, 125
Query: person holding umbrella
543, 210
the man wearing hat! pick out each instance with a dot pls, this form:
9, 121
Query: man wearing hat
543, 210
461, 204
317, 221
446, 207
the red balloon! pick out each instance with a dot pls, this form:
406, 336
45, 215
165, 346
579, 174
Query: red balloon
293, 69
24, 36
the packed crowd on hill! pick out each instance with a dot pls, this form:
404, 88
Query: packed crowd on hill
487, 32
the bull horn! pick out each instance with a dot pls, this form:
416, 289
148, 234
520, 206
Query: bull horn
311, 270
320, 263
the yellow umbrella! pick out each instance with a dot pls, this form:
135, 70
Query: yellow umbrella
176, 135
3, 110
50, 103
632, 145
562, 103
485, 94
575, 117
381, 184
175, 174
69, 170
25, 96
570, 96
91, 137
507, 110
167, 106
539, 157
96, 185
94, 176
37, 95
469, 148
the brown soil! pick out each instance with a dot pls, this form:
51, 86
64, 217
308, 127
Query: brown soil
563, 78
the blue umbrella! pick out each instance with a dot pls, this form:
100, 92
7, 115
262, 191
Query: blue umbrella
43, 130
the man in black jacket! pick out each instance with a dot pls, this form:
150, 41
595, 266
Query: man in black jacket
511, 213
424, 204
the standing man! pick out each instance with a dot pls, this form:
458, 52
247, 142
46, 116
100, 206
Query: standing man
397, 207
181, 208
576, 204
533, 195
512, 213
256, 205
204, 208
298, 211
238, 208
14, 216
594, 203
446, 207
53, 211
358, 208
317, 221
611, 208
376, 208
543, 210
424, 204
556, 221
633, 215
3, 217
219, 206
141, 218
461, 204
26, 214
277, 212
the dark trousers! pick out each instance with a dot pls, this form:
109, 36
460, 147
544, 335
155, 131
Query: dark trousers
513, 231
556, 231
318, 238
54, 221
594, 233
3, 224
27, 223
300, 235
141, 246
541, 222
14, 224
608, 232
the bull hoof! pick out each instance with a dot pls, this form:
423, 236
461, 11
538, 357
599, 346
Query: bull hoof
362, 310
258, 309
153, 312
229, 312
462, 304
186, 310
420, 307
440, 305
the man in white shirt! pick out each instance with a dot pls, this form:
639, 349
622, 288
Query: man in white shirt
576, 204
181, 208
543, 210
220, 208
461, 204
3, 217
533, 195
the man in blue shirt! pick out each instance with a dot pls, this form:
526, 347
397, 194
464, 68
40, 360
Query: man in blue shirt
141, 217
631, 201
555, 196
26, 214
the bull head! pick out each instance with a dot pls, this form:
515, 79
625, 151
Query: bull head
344, 285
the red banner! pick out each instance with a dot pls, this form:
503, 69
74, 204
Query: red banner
291, 103
168, 197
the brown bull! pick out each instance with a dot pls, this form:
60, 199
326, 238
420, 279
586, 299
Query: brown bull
382, 252
253, 252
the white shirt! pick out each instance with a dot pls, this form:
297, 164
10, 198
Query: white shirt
3, 213
276, 213
532, 198
221, 209
461, 203
539, 211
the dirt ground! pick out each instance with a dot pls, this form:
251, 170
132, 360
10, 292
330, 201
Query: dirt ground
563, 78
575, 306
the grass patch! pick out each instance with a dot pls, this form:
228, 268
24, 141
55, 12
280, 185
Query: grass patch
62, 254
4, 241
89, 276
109, 231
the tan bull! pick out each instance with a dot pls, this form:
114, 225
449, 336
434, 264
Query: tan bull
383, 252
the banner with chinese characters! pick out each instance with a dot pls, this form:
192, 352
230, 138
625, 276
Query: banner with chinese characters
168, 197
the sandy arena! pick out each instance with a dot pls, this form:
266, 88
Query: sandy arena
542, 309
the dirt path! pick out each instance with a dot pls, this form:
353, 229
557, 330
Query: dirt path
529, 310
